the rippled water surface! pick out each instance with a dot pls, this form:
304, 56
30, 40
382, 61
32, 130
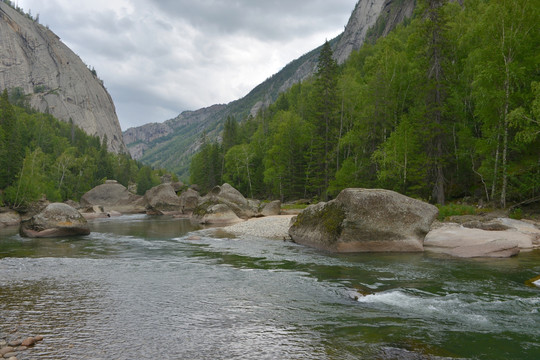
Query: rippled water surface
140, 288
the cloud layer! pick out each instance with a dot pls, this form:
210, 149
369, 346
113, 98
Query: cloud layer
161, 57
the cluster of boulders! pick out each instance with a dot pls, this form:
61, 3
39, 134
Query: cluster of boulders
224, 204
357, 220
9, 350
375, 220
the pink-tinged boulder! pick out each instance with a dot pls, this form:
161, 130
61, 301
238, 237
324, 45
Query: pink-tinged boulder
56, 220
365, 220
460, 241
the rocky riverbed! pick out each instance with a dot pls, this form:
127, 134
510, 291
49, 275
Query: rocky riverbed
11, 349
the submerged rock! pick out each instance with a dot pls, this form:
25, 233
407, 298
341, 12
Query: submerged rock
56, 220
365, 220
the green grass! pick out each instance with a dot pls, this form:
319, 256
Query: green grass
294, 206
445, 211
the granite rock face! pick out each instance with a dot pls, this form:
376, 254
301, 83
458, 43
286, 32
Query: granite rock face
56, 220
55, 79
114, 196
162, 199
365, 220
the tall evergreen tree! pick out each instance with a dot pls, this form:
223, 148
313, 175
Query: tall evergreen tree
324, 119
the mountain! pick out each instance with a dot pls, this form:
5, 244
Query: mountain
172, 143
53, 78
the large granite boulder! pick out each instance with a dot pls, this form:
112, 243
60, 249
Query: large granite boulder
189, 200
271, 209
365, 220
163, 199
113, 196
57, 220
497, 238
214, 214
9, 217
232, 198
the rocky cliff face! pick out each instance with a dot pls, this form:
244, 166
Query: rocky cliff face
140, 139
364, 16
55, 79
172, 146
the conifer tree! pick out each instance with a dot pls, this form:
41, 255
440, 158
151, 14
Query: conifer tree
324, 119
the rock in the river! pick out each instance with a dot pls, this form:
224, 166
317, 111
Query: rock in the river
163, 199
189, 200
272, 208
6, 350
114, 196
229, 196
9, 217
208, 213
457, 240
365, 220
29, 341
56, 220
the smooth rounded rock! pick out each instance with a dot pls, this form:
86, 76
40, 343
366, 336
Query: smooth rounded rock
29, 341
14, 343
6, 350
365, 220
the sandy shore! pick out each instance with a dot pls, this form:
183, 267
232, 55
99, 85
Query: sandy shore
272, 227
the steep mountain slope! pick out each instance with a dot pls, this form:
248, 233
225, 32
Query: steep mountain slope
171, 146
33, 59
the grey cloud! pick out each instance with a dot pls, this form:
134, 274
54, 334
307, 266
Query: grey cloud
161, 57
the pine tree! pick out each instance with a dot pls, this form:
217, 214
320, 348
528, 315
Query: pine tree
324, 119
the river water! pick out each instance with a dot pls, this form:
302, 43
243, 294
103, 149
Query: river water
140, 287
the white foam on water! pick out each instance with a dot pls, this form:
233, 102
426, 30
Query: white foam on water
420, 304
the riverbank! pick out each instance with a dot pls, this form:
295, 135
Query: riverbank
271, 227
485, 239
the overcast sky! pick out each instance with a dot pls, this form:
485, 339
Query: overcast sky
158, 58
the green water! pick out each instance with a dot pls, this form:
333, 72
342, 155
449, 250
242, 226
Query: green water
139, 288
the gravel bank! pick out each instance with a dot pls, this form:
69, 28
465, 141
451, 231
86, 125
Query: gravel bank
272, 227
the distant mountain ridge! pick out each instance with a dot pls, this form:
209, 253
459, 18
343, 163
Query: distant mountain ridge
53, 78
172, 143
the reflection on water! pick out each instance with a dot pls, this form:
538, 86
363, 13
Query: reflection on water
138, 288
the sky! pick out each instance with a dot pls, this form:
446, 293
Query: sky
158, 58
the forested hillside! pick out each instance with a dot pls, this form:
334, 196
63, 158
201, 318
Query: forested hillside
446, 106
40, 155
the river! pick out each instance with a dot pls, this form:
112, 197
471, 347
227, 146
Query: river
140, 287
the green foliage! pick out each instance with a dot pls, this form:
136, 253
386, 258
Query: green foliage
445, 211
445, 106
40, 155
516, 214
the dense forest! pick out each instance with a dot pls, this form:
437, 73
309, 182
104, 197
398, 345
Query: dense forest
40, 155
446, 106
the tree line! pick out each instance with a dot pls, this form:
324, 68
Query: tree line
446, 106
40, 155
